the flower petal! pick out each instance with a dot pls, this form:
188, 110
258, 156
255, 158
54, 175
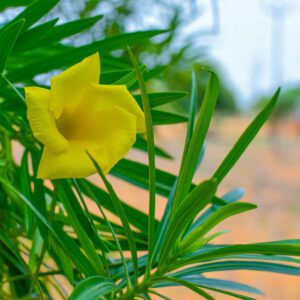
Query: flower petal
98, 97
115, 133
73, 162
68, 87
110, 139
41, 119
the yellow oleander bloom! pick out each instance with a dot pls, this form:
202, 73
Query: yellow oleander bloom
77, 115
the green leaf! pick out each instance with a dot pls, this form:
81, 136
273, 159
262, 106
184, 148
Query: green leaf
19, 262
80, 224
163, 117
91, 288
246, 138
8, 37
221, 284
137, 174
141, 144
212, 221
117, 241
191, 122
272, 248
65, 261
83, 216
122, 215
111, 77
137, 218
31, 38
179, 281
230, 197
189, 208
197, 140
4, 4
153, 73
151, 160
71, 55
241, 265
35, 12
130, 78
39, 199
60, 32
26, 191
158, 99
66, 243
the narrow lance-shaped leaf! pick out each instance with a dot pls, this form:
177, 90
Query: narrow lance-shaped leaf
91, 288
161, 230
141, 144
240, 265
197, 140
35, 12
246, 138
271, 248
77, 257
8, 37
58, 33
179, 281
4, 4
232, 196
111, 228
31, 38
119, 208
158, 99
222, 284
217, 217
26, 191
164, 117
186, 212
191, 123
71, 55
80, 224
130, 78
135, 217
137, 174
151, 159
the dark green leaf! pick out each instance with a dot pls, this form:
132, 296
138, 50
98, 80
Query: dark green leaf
197, 140
164, 117
31, 38
158, 99
241, 265
122, 215
221, 214
189, 208
246, 138
92, 288
8, 37
70, 55
35, 12
58, 33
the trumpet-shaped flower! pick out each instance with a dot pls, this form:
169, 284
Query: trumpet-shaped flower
78, 115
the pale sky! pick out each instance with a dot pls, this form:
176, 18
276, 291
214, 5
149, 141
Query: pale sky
242, 48
244, 45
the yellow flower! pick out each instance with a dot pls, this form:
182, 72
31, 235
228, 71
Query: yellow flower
77, 115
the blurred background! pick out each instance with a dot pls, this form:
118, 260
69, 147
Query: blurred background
254, 47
